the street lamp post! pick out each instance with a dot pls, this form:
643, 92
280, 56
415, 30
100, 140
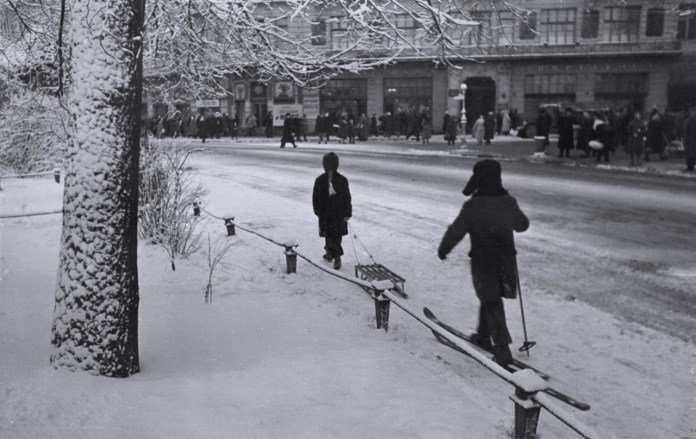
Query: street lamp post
462, 120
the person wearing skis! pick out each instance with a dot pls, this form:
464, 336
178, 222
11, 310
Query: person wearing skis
332, 205
489, 217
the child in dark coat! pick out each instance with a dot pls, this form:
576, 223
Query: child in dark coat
332, 205
490, 216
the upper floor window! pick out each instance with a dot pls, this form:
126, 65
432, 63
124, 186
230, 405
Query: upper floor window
623, 23
318, 33
481, 33
557, 26
686, 27
405, 21
528, 26
341, 37
506, 30
590, 24
655, 22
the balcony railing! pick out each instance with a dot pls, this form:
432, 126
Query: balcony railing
664, 47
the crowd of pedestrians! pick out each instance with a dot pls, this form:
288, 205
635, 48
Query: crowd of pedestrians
600, 134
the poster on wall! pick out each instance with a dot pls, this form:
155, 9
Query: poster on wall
283, 90
311, 106
280, 110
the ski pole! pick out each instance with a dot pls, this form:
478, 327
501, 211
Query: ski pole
527, 345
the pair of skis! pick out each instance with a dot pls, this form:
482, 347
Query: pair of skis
512, 367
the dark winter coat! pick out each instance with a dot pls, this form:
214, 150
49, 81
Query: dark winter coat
689, 136
655, 139
636, 137
543, 124
490, 221
201, 127
445, 122
489, 126
332, 209
451, 131
288, 129
322, 125
565, 133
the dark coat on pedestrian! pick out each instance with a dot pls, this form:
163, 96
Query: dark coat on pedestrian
445, 122
451, 131
636, 137
489, 126
689, 135
655, 139
332, 209
201, 126
321, 126
565, 132
373, 125
543, 124
288, 130
489, 217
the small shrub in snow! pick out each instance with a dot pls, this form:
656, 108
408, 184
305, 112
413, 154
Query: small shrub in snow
216, 254
33, 137
167, 193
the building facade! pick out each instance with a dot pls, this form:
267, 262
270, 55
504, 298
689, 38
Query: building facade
580, 53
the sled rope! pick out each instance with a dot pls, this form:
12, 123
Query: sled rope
355, 235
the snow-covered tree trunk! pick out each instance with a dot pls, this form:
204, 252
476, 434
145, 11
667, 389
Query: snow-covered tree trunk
95, 325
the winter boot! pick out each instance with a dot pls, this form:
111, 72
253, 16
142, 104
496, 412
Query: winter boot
502, 355
327, 257
337, 263
481, 341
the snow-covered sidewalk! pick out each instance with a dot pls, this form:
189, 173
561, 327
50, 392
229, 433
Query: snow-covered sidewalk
297, 356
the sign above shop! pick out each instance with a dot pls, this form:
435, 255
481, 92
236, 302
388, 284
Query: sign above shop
206, 103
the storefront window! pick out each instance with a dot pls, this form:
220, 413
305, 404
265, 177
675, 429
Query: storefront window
619, 90
407, 94
348, 96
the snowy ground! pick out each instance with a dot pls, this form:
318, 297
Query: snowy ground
297, 356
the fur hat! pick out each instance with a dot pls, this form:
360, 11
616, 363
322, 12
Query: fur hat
330, 162
486, 176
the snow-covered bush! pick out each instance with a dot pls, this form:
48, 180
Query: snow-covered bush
167, 193
33, 137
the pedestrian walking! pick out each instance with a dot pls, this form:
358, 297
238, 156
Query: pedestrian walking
543, 125
479, 129
373, 125
636, 139
302, 130
426, 129
451, 131
655, 137
331, 201
689, 140
202, 125
565, 133
322, 127
506, 124
250, 125
606, 136
489, 217
489, 127
288, 129
268, 124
